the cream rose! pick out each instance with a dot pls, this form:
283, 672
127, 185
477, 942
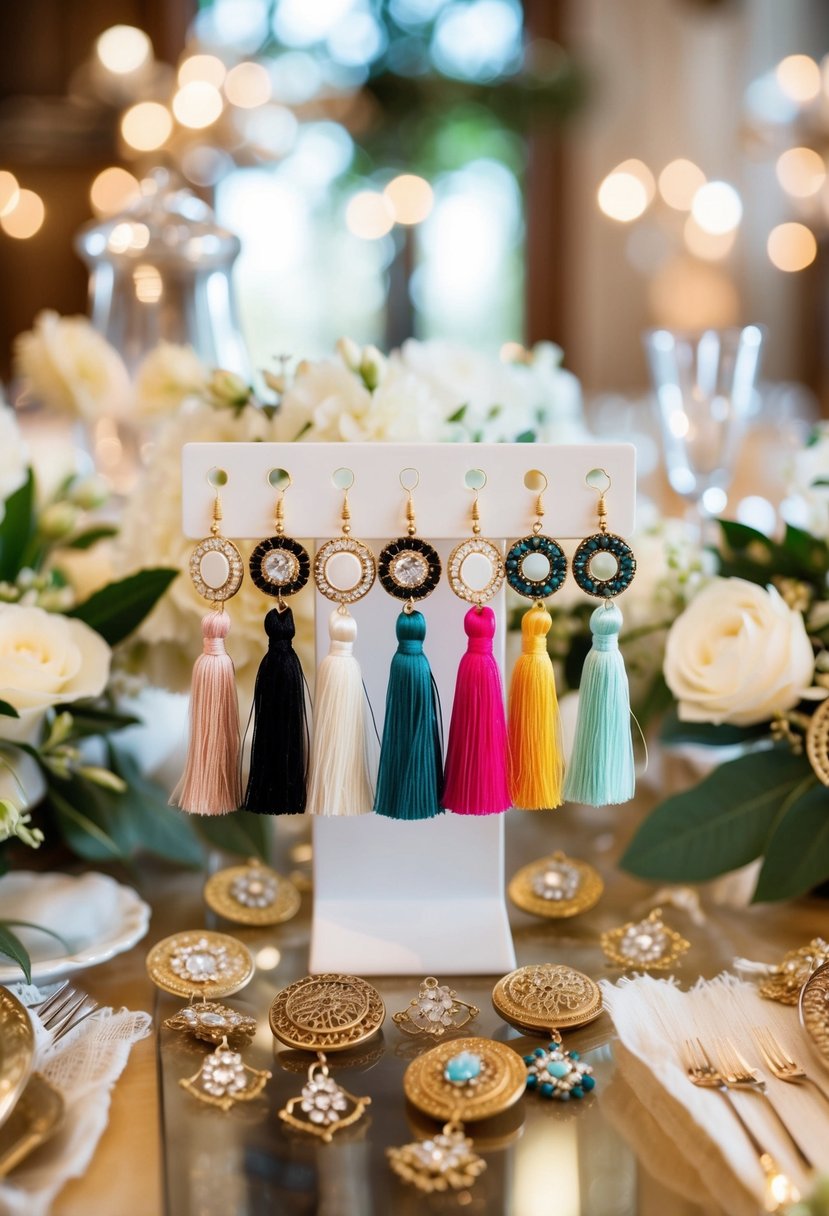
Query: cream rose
737, 654
68, 366
166, 377
46, 659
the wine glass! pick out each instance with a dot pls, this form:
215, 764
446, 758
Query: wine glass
705, 387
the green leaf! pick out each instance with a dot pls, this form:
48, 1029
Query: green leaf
156, 826
719, 825
657, 699
12, 947
83, 830
85, 540
27, 924
241, 832
797, 849
8, 711
525, 437
116, 610
707, 734
17, 529
95, 718
459, 413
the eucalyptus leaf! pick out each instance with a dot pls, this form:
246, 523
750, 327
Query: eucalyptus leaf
12, 947
27, 924
87, 831
707, 734
119, 608
17, 528
797, 850
157, 828
719, 825
7, 710
241, 832
85, 540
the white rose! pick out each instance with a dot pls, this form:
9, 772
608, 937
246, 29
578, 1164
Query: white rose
737, 654
166, 376
46, 659
68, 366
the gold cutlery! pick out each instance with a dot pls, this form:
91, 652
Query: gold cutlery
780, 1064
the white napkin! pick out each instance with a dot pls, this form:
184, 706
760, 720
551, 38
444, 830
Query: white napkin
83, 1065
688, 1136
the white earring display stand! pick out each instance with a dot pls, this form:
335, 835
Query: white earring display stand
421, 897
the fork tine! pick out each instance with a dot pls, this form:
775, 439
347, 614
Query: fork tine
783, 1057
725, 1059
687, 1055
81, 1016
66, 1013
47, 1005
708, 1061
764, 1048
743, 1061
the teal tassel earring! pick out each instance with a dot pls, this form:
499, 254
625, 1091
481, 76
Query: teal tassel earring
600, 772
410, 776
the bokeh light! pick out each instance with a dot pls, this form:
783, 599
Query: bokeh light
694, 295
123, 49
197, 104
248, 85
801, 172
9, 192
678, 183
791, 247
26, 218
717, 208
707, 245
208, 68
369, 215
113, 190
411, 198
146, 126
798, 77
625, 193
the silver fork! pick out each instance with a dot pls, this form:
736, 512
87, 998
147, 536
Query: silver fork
738, 1074
700, 1070
780, 1063
65, 1009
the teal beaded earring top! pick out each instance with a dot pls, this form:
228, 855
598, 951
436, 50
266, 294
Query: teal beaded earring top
520, 571
603, 564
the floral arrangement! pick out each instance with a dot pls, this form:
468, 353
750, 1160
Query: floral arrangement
746, 664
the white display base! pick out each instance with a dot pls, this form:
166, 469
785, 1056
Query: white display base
426, 897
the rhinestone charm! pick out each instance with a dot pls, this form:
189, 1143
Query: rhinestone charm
368, 570
201, 962
487, 549
279, 565
556, 886
252, 894
235, 570
558, 881
434, 1010
409, 568
224, 1079
444, 1162
204, 964
648, 944
211, 1022
325, 1106
556, 1073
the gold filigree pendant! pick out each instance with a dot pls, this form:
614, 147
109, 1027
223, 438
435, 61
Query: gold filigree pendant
252, 894
324, 1107
446, 1161
785, 981
556, 886
330, 1012
211, 1022
649, 944
434, 1010
224, 1079
547, 996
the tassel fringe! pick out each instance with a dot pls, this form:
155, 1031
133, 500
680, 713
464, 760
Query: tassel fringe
279, 752
536, 756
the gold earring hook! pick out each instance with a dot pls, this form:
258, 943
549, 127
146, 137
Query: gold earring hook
476, 516
215, 529
345, 515
601, 507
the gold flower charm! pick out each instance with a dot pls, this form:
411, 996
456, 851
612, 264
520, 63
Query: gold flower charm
443, 1162
251, 894
200, 963
325, 1107
434, 1010
211, 1021
647, 944
556, 886
224, 1079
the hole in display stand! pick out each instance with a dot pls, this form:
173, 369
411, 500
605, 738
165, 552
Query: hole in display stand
217, 477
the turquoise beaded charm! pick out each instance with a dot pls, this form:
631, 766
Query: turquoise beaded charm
594, 546
556, 1073
536, 585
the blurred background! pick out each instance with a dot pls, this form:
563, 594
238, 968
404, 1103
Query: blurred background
483, 170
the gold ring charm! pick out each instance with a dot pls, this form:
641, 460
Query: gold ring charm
556, 886
444, 1162
362, 569
457, 558
817, 743
646, 944
224, 1079
326, 1106
545, 997
434, 1010
329, 1013
211, 1022
251, 894
200, 963
467, 1079
216, 566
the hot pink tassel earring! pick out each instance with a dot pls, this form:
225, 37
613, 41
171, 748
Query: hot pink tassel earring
211, 782
476, 758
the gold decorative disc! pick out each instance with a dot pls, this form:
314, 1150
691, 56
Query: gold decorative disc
817, 742
251, 895
556, 886
330, 1012
499, 1082
200, 963
545, 997
454, 571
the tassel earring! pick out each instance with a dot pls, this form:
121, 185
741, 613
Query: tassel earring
536, 567
476, 756
340, 782
211, 782
279, 566
601, 770
410, 776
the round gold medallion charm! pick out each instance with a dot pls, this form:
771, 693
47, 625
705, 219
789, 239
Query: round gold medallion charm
556, 886
251, 895
327, 1013
216, 569
817, 742
649, 944
545, 997
200, 963
466, 1079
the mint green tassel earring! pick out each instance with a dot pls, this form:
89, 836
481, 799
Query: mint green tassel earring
601, 772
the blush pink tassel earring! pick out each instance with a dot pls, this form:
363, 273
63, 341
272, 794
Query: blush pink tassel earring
211, 782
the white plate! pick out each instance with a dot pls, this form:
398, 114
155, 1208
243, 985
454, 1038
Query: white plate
97, 915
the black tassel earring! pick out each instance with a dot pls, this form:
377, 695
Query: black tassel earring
280, 567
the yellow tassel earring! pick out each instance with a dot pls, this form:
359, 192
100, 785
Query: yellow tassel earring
536, 568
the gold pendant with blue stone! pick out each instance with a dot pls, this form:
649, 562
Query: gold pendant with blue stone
554, 1072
